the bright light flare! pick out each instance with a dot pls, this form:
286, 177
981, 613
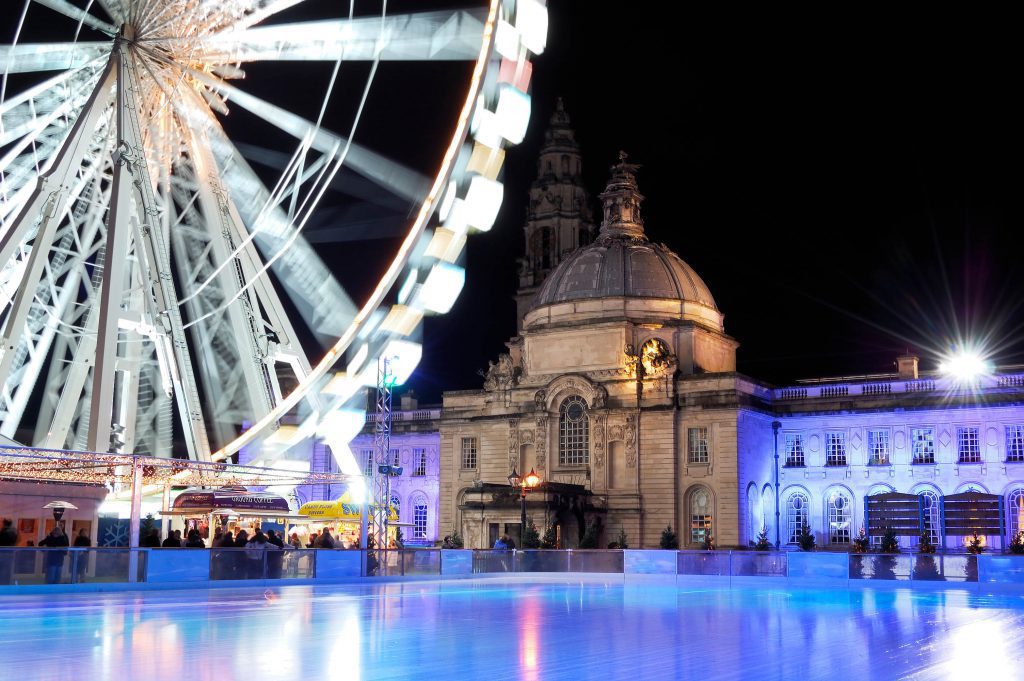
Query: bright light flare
966, 366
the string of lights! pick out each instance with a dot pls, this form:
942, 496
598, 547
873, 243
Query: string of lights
114, 470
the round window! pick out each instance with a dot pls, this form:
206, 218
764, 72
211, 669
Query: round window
574, 412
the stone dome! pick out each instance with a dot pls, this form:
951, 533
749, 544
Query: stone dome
623, 263
623, 267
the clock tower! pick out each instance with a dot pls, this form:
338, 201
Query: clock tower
558, 217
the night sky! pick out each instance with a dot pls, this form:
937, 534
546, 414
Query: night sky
846, 185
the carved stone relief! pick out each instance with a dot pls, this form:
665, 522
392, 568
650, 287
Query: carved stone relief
629, 434
599, 440
615, 433
513, 444
541, 448
526, 437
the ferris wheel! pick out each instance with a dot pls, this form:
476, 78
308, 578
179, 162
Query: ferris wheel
154, 285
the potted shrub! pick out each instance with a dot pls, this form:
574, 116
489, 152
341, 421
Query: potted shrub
806, 538
668, 539
550, 538
885, 564
762, 541
1017, 543
924, 563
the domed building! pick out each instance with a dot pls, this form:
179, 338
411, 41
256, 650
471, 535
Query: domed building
588, 397
620, 391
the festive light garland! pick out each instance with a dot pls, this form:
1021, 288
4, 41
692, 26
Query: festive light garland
112, 470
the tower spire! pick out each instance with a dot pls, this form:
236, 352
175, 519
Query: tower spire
622, 199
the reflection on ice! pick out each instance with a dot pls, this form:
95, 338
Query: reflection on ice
520, 630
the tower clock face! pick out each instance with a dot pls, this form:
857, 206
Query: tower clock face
654, 355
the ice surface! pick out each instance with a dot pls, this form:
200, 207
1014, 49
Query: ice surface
511, 630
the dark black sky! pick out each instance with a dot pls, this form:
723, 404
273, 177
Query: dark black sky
847, 185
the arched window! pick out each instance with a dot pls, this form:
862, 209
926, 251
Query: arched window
754, 519
930, 504
1015, 511
796, 515
839, 507
396, 503
768, 511
701, 515
419, 516
573, 432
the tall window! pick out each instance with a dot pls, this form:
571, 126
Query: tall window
1015, 511
878, 447
968, 445
396, 503
697, 447
1015, 443
794, 449
368, 462
573, 432
419, 458
396, 459
419, 517
469, 446
796, 515
930, 505
835, 449
840, 510
700, 515
923, 442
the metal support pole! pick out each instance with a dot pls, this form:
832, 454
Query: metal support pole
522, 518
165, 520
775, 433
135, 522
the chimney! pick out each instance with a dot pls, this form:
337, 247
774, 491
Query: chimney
409, 401
906, 366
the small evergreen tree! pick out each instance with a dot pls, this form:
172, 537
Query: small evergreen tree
890, 542
590, 536
622, 540
925, 544
762, 541
669, 539
806, 538
1017, 543
550, 538
975, 544
862, 543
456, 539
147, 525
531, 537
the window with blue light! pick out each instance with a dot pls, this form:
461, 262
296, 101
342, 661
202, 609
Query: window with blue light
840, 517
419, 457
794, 450
835, 449
1015, 443
796, 515
968, 444
419, 517
878, 447
922, 441
368, 462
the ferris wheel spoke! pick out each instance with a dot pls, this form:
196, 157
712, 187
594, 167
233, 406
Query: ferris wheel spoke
424, 36
36, 57
67, 9
397, 178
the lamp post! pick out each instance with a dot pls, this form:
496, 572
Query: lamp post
525, 484
775, 433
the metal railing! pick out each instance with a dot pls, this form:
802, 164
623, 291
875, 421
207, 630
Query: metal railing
26, 566
875, 387
37, 566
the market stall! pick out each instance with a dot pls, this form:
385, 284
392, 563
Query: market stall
232, 508
342, 517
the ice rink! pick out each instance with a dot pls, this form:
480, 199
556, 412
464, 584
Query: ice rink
493, 630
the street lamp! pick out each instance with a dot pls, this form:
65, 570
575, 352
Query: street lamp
525, 484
